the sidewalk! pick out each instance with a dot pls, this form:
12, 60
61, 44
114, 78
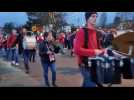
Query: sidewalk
68, 74
14, 77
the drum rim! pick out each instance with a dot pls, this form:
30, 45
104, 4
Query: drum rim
96, 58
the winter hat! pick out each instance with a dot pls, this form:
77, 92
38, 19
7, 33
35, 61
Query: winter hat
88, 14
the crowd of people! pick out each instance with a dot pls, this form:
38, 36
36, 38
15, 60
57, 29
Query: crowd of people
106, 36
24, 44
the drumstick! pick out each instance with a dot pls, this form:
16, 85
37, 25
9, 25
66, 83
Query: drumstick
120, 53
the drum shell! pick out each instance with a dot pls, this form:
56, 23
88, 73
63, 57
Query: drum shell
127, 69
117, 72
97, 70
112, 74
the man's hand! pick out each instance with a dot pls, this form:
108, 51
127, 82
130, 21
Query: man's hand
100, 51
49, 52
105, 52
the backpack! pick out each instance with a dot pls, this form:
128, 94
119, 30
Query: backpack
29, 42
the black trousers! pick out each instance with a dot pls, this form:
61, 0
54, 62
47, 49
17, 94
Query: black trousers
32, 55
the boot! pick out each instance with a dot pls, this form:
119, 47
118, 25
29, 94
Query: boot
54, 84
30, 59
47, 84
27, 68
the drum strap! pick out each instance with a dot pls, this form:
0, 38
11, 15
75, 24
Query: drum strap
85, 59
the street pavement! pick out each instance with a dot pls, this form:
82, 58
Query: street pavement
14, 77
68, 74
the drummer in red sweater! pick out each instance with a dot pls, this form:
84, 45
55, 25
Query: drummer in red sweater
92, 50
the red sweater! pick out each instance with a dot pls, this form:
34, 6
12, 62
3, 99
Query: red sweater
79, 44
11, 40
61, 39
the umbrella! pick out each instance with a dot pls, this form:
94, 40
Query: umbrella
125, 43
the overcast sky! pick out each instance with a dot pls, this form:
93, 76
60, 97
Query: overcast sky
20, 18
78, 18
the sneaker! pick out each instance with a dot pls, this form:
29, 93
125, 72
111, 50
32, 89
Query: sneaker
59, 54
13, 62
17, 64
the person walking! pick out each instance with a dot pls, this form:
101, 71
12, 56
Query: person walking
47, 56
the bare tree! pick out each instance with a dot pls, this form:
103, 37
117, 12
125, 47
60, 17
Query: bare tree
46, 18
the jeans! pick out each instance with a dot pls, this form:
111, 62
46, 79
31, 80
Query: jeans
53, 70
87, 81
26, 55
15, 55
61, 48
8, 53
32, 55
2, 52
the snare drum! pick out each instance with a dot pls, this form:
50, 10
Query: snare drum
117, 71
108, 70
112, 71
97, 69
128, 68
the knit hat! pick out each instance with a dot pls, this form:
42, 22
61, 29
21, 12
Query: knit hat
88, 14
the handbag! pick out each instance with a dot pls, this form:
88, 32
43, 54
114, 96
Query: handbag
51, 56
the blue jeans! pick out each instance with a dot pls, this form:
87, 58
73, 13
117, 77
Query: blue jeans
87, 81
8, 53
26, 55
1, 52
61, 48
15, 55
32, 55
53, 70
